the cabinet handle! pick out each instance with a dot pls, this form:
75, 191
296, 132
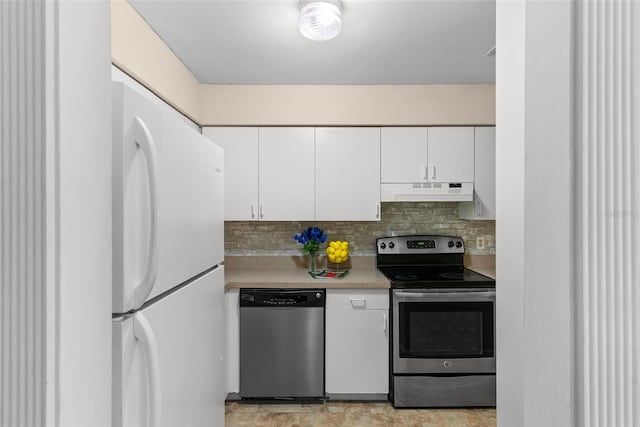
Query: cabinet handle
358, 302
261, 214
253, 214
384, 322
426, 172
378, 210
433, 168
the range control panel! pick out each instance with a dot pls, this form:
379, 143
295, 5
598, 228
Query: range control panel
419, 245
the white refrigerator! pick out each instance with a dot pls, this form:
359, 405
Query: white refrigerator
168, 277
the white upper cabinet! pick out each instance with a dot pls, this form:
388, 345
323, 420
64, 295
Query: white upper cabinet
347, 174
484, 198
286, 159
450, 154
335, 174
269, 172
403, 153
240, 146
420, 154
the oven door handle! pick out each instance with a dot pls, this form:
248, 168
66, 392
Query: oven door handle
445, 294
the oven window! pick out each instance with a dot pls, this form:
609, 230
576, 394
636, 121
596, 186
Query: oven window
446, 329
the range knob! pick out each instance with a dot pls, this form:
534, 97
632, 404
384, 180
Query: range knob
383, 245
391, 245
450, 244
458, 244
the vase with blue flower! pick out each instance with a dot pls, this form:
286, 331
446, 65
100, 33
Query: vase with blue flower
311, 238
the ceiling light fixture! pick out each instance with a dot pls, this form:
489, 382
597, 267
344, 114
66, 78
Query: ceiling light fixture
320, 20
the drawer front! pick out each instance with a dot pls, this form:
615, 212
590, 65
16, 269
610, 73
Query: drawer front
357, 299
442, 392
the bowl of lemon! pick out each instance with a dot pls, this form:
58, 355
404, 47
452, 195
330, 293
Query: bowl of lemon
337, 253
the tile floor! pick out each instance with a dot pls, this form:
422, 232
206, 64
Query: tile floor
337, 414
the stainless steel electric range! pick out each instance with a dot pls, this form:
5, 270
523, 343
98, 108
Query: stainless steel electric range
443, 324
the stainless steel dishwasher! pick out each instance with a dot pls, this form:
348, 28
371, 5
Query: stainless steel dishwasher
282, 343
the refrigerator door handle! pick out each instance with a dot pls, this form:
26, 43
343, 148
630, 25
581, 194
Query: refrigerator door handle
144, 140
143, 333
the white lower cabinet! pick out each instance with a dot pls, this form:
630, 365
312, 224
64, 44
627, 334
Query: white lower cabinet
357, 341
232, 318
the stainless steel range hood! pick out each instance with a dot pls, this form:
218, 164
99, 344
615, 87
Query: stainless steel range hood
427, 192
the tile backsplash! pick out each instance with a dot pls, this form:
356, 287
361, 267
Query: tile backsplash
398, 218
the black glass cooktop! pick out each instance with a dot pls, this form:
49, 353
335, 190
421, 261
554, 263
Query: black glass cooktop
429, 277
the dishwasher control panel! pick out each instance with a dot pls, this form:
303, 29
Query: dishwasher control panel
282, 297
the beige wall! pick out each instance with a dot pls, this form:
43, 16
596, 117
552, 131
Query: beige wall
138, 51
348, 105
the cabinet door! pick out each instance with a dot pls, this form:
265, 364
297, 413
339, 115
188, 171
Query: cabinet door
357, 342
240, 146
348, 174
403, 154
286, 174
232, 317
484, 197
450, 154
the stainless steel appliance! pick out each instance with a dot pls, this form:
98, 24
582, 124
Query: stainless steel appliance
443, 324
282, 343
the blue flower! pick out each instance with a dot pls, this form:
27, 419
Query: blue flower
311, 238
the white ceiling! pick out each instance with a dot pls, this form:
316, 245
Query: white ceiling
382, 41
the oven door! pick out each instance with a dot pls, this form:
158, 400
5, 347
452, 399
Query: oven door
443, 331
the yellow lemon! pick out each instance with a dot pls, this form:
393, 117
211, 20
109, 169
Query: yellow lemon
330, 250
344, 245
338, 260
333, 245
343, 254
332, 257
